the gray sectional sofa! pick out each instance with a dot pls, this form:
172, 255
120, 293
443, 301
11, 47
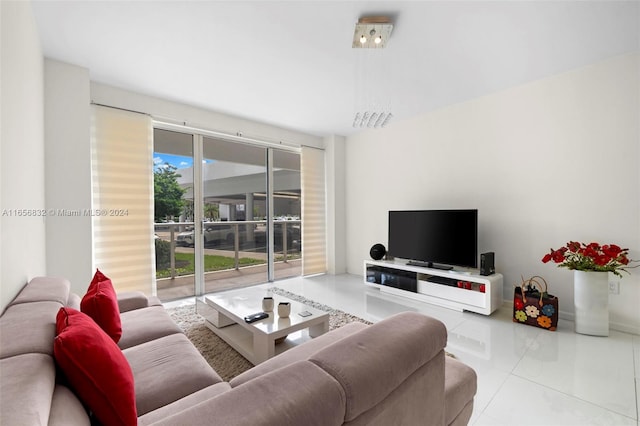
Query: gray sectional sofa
394, 372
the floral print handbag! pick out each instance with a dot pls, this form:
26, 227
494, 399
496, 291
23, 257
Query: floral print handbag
533, 305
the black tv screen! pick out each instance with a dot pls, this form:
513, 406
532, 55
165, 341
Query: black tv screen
435, 237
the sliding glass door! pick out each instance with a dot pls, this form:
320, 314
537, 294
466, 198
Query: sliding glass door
239, 224
235, 238
175, 235
287, 223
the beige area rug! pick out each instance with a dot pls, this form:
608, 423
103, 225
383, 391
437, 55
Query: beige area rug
223, 358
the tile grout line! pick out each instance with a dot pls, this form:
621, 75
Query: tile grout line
577, 398
509, 373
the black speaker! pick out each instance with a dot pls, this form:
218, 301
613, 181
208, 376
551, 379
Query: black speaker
487, 263
377, 251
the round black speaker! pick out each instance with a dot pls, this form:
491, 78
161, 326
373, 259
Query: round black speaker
377, 251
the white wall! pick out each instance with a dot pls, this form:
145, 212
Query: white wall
547, 162
68, 173
22, 252
162, 109
335, 172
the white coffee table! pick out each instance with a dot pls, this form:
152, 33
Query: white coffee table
224, 313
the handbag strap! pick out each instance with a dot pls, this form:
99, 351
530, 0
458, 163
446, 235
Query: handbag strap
535, 283
546, 287
524, 298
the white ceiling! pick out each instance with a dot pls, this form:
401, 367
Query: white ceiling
290, 63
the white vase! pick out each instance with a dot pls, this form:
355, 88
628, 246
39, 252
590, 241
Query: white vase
591, 302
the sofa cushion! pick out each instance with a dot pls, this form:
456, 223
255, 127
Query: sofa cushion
44, 289
298, 353
184, 403
146, 324
26, 386
95, 368
101, 304
27, 328
167, 369
394, 348
301, 394
418, 400
66, 409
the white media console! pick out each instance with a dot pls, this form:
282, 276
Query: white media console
459, 290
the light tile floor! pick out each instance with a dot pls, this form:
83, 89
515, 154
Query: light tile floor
526, 375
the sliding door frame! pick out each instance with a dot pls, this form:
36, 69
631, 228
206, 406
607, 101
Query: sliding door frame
270, 228
198, 213
198, 136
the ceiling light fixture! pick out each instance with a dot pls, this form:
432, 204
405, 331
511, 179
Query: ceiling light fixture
378, 27
373, 107
377, 39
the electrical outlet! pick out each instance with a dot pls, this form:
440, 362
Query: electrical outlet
614, 287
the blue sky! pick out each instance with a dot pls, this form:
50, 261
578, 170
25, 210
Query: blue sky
178, 161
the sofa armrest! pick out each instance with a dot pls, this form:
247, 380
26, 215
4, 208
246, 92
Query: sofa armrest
300, 394
130, 300
460, 386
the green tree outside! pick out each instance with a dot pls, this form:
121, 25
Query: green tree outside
168, 201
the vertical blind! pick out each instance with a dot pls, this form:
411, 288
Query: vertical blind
122, 186
314, 255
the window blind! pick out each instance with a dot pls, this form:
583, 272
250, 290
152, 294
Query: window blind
314, 250
122, 186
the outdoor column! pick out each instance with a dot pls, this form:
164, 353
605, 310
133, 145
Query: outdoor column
248, 215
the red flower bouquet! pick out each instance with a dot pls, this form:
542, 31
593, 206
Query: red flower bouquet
590, 257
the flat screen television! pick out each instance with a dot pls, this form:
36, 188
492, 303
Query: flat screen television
435, 238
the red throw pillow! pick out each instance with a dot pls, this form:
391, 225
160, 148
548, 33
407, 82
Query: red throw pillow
101, 304
95, 367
